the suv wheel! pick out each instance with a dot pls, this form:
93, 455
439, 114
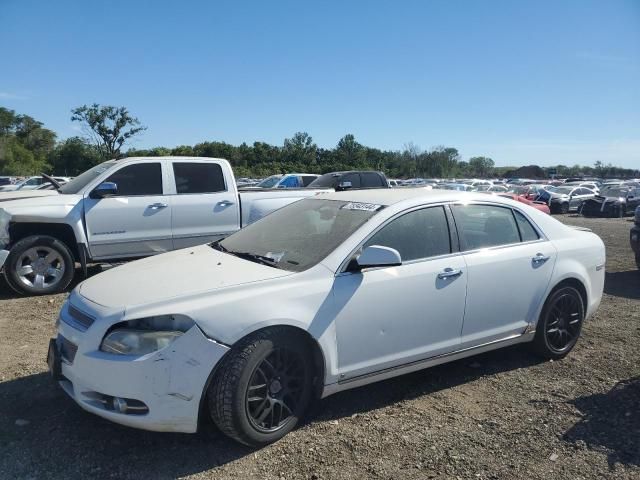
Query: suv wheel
39, 265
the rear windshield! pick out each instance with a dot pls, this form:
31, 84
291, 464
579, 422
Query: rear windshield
300, 235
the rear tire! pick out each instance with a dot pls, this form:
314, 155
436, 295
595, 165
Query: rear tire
39, 265
560, 323
263, 387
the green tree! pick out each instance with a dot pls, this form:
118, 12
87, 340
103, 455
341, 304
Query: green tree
481, 166
73, 156
300, 149
108, 127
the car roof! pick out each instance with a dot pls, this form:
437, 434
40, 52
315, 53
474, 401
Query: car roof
389, 196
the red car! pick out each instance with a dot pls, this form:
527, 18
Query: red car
543, 207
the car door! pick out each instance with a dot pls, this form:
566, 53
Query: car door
205, 205
579, 196
134, 222
391, 316
509, 265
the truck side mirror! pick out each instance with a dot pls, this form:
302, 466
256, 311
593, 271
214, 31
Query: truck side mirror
105, 189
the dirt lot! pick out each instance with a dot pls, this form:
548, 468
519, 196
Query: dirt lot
500, 415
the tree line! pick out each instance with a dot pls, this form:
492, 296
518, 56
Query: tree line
27, 148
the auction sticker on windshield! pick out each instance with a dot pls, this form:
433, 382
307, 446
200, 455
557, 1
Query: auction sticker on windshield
367, 207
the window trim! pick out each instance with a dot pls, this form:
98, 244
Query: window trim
444, 205
175, 183
136, 164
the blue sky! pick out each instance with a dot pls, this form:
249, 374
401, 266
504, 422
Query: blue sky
541, 82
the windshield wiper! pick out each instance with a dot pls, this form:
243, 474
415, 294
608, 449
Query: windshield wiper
216, 245
254, 257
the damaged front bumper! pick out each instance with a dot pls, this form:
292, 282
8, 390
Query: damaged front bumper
160, 391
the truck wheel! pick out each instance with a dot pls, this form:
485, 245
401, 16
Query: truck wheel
39, 265
263, 387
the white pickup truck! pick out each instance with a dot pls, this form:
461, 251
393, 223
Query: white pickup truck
125, 209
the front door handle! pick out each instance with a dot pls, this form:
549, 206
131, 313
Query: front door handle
225, 203
539, 259
158, 206
449, 273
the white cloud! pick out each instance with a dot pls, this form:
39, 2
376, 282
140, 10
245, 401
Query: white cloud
12, 96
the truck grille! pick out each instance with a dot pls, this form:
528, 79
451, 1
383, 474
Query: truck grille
67, 349
81, 319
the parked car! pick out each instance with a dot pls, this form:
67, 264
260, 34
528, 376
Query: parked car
460, 187
543, 207
530, 191
31, 183
634, 236
595, 186
612, 202
324, 295
565, 199
350, 180
290, 180
124, 209
6, 181
491, 188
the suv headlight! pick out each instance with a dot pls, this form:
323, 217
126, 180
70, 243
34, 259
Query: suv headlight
146, 335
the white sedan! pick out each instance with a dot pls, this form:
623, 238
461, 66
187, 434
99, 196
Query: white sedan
326, 294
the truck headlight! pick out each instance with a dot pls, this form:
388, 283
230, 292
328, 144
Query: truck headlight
146, 335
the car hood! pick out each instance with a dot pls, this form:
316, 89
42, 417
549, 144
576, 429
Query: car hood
35, 202
6, 196
173, 275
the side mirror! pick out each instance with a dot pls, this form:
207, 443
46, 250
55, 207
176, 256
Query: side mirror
344, 186
379, 256
106, 189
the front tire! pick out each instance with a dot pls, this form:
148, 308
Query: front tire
560, 323
263, 387
39, 265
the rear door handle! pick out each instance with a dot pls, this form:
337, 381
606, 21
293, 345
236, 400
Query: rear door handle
225, 203
157, 206
539, 259
449, 273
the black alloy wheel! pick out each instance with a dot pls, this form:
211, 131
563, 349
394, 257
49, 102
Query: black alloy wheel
275, 390
560, 323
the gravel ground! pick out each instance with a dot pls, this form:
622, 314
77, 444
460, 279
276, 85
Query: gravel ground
504, 414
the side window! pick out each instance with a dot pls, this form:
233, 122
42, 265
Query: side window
354, 178
483, 226
527, 232
418, 234
371, 180
289, 182
139, 179
198, 177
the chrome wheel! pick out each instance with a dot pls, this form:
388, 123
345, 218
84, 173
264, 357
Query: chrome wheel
40, 267
564, 322
275, 390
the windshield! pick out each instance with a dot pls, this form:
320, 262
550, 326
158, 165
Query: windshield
82, 180
328, 180
561, 190
301, 234
269, 182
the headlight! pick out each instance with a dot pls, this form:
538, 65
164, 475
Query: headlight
146, 335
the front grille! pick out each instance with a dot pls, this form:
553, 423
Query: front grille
82, 319
67, 349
